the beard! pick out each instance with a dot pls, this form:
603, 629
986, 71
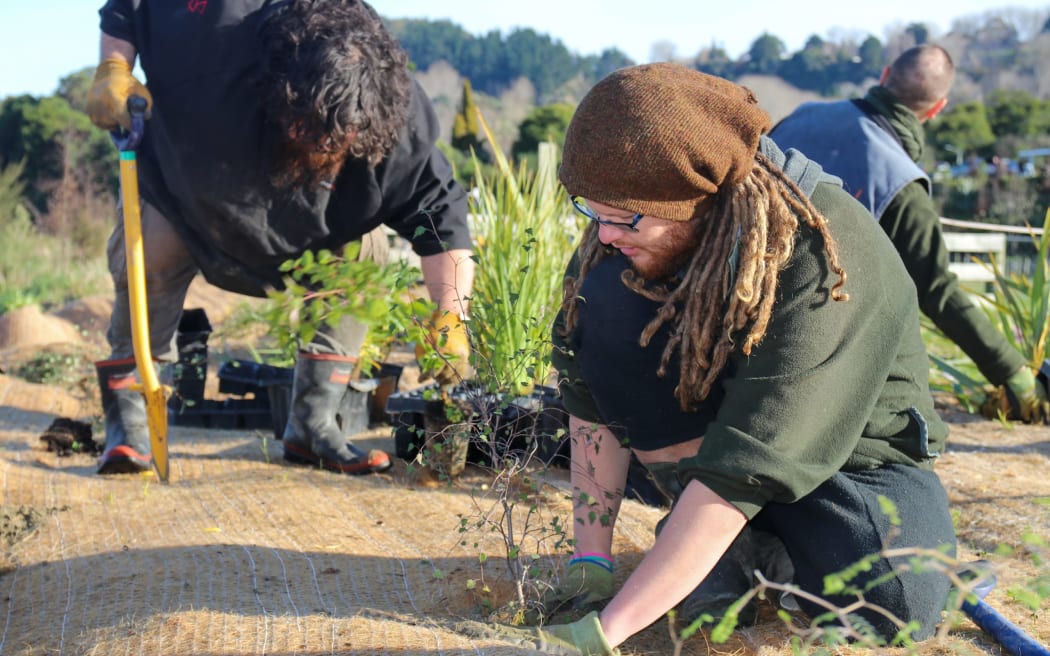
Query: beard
299, 163
672, 254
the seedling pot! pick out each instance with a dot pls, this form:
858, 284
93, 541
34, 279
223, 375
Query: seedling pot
496, 426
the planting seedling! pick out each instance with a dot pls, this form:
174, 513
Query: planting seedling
504, 420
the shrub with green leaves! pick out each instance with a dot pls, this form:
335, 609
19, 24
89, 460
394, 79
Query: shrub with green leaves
45, 269
321, 288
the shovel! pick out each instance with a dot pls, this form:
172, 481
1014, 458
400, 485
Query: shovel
155, 393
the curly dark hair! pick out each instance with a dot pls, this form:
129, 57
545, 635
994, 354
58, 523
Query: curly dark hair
336, 85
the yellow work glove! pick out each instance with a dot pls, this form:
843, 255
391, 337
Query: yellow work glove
447, 338
581, 638
107, 100
1028, 397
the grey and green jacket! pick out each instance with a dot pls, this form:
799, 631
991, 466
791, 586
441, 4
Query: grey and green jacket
879, 168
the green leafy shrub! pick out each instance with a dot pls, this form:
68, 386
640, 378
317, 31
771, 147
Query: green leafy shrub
45, 269
321, 288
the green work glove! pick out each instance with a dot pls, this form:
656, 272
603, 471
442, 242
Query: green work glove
583, 586
581, 638
107, 99
1028, 397
447, 336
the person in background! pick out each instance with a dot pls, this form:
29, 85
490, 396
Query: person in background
274, 128
738, 322
874, 144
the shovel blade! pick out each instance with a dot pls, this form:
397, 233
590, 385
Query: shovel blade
157, 417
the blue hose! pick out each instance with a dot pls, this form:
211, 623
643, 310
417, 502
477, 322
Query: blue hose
1013, 639
1006, 633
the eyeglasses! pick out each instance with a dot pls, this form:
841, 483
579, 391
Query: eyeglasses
583, 208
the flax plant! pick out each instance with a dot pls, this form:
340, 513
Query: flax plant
525, 234
1020, 307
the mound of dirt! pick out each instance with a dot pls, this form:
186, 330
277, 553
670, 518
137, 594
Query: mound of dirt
29, 328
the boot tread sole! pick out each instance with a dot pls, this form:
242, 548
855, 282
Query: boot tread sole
300, 456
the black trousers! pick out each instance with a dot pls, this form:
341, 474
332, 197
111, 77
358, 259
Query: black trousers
836, 526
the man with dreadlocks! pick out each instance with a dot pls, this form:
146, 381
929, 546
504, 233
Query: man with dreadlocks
739, 323
874, 144
278, 127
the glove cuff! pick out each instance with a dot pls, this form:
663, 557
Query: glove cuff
112, 65
589, 638
1022, 379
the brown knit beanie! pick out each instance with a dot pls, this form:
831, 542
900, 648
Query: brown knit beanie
660, 139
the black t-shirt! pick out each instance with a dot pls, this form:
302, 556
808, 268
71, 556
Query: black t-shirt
204, 159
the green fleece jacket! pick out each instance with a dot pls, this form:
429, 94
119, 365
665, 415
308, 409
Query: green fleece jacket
833, 386
913, 225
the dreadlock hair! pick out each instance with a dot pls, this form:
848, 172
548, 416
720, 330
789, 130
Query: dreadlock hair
336, 85
755, 223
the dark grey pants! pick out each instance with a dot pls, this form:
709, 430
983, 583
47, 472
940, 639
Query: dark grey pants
835, 526
841, 522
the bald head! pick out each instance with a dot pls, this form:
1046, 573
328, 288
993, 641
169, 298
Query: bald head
921, 77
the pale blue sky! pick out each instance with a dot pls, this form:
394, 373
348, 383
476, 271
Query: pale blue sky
43, 40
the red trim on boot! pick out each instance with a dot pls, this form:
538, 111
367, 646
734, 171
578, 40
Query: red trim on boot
373, 461
123, 459
115, 363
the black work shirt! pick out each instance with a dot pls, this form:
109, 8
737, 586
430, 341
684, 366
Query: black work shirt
204, 161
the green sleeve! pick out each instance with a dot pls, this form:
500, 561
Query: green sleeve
796, 410
913, 225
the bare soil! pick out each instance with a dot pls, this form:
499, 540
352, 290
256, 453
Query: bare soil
243, 554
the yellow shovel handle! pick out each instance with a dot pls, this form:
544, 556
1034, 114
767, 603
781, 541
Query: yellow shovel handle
156, 405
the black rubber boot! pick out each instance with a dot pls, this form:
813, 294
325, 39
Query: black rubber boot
730, 579
314, 433
127, 448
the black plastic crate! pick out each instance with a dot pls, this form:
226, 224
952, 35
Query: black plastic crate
514, 424
243, 377
191, 370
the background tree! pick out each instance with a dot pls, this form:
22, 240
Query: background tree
75, 86
11, 189
466, 130
811, 67
715, 61
663, 51
55, 141
1018, 114
765, 54
546, 123
964, 127
546, 62
595, 68
872, 57
919, 33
